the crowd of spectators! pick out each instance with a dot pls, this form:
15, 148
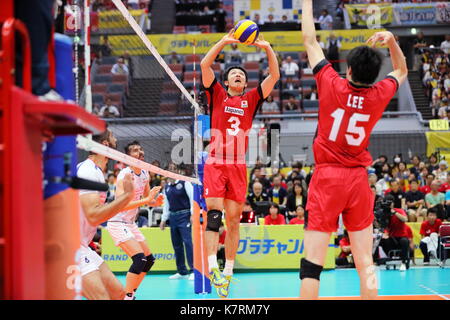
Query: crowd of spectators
435, 75
107, 5
205, 12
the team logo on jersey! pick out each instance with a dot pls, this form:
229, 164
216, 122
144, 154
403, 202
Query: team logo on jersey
179, 186
232, 110
244, 104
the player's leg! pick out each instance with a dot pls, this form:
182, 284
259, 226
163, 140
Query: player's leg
93, 287
358, 219
148, 266
115, 289
412, 215
327, 198
361, 243
177, 243
185, 229
214, 192
134, 250
233, 210
92, 284
316, 245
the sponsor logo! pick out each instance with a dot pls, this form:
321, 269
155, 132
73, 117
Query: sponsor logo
232, 110
244, 104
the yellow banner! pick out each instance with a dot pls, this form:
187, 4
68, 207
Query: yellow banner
114, 19
288, 41
366, 15
439, 125
415, 227
260, 247
438, 141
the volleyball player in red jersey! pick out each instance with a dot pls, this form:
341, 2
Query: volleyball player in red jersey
232, 110
348, 111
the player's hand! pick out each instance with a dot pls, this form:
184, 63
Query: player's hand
261, 43
229, 38
162, 225
153, 192
128, 186
384, 37
158, 202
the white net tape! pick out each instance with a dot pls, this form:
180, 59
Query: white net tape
92, 146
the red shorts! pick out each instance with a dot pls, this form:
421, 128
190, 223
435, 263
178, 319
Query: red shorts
334, 190
228, 181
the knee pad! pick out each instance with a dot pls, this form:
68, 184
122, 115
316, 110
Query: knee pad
139, 262
310, 270
150, 263
214, 220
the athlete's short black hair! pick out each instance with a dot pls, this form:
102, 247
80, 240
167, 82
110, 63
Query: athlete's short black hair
365, 63
132, 143
225, 76
104, 136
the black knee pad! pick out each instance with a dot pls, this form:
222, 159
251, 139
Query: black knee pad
139, 262
214, 220
150, 263
310, 270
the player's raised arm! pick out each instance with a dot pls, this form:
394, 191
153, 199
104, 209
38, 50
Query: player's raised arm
398, 59
274, 70
315, 53
207, 62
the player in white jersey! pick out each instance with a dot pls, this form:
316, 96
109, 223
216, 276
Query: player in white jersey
123, 228
98, 282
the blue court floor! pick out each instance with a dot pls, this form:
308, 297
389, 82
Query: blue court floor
415, 283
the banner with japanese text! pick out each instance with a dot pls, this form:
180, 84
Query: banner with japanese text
260, 247
288, 41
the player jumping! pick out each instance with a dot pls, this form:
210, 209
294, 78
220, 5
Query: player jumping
123, 228
225, 174
348, 111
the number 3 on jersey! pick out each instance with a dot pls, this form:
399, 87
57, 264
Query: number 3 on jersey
235, 122
338, 115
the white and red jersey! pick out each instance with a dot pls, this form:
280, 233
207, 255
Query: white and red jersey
140, 181
89, 170
347, 115
231, 121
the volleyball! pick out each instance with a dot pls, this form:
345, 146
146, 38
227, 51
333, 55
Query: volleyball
246, 31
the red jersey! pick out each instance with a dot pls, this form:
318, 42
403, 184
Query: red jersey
425, 189
231, 121
409, 232
279, 220
397, 228
297, 221
344, 242
347, 115
426, 228
444, 187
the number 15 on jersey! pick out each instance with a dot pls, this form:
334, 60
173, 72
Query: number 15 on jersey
354, 134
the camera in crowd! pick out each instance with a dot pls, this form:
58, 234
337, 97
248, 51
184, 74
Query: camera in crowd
383, 212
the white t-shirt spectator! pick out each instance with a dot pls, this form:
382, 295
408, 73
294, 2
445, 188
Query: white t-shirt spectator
290, 69
447, 84
326, 23
270, 106
109, 110
445, 46
120, 69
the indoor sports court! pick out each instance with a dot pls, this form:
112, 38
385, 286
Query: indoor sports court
116, 115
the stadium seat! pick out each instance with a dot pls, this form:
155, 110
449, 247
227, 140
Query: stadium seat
115, 96
109, 60
102, 78
230, 64
169, 96
119, 77
205, 28
216, 67
251, 65
253, 75
97, 98
308, 82
311, 105
189, 76
190, 58
179, 29
167, 109
104, 69
252, 84
116, 88
99, 88
176, 67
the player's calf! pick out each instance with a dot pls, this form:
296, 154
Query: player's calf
139, 263
150, 263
